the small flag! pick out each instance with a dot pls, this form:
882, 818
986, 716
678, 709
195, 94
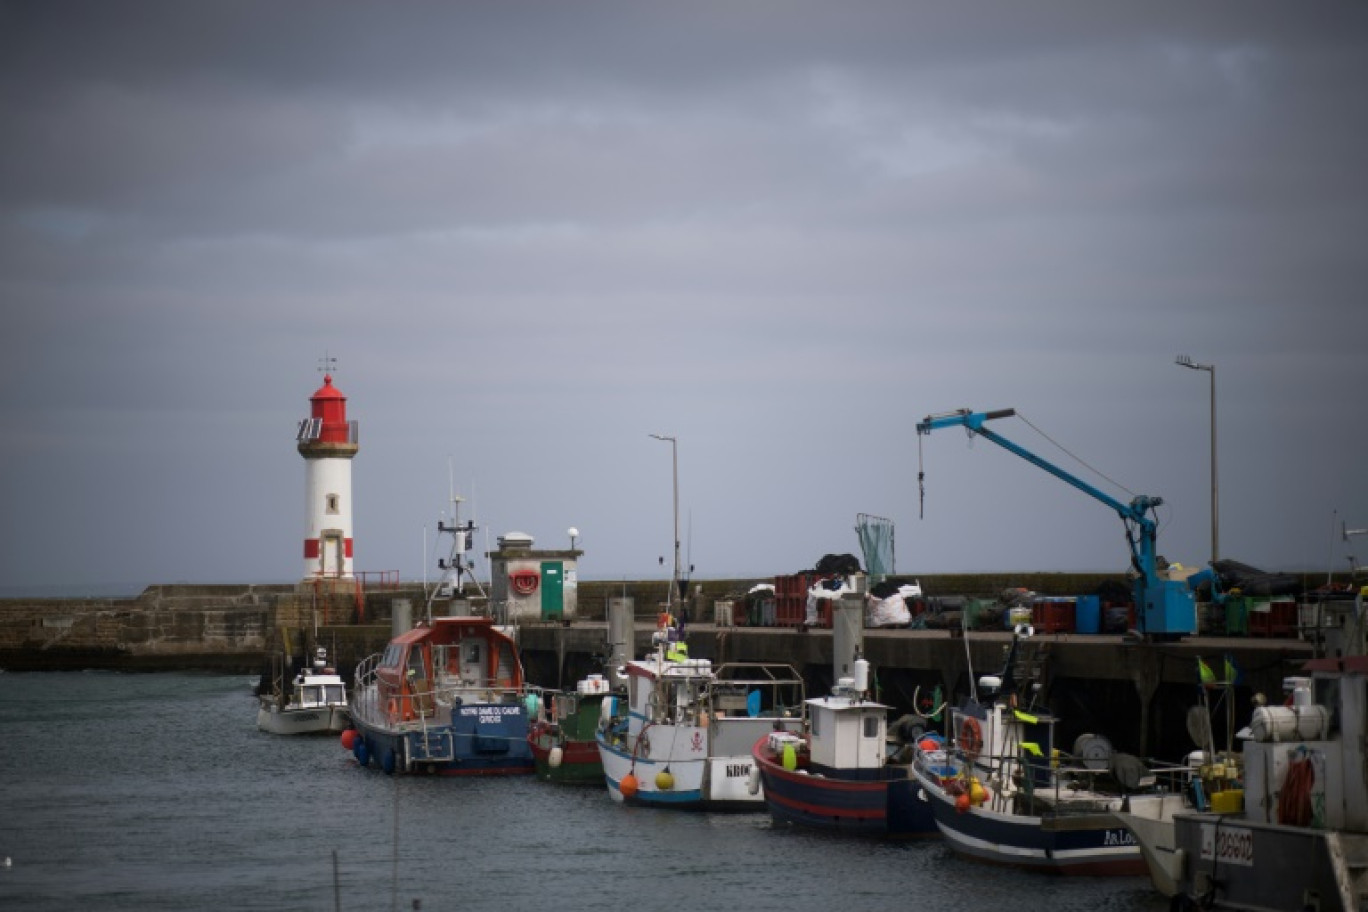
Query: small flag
1232, 674
1204, 672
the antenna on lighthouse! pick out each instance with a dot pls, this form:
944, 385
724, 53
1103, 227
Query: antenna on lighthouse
327, 364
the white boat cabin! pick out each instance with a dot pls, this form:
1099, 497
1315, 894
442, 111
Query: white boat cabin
847, 733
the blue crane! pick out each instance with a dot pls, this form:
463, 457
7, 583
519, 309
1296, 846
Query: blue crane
1166, 609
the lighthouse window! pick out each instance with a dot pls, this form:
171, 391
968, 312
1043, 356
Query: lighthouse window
332, 503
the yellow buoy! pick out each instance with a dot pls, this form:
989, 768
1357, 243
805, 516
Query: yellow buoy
976, 792
664, 780
790, 758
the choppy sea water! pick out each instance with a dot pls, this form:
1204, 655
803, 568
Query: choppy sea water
140, 792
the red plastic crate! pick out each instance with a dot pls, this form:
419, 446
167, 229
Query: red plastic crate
790, 610
1053, 615
1280, 620
795, 584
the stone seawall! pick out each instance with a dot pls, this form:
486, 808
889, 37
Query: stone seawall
238, 626
224, 627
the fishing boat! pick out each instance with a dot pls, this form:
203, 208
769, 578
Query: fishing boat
1210, 777
842, 774
1002, 793
683, 736
314, 704
448, 698
562, 736
1295, 836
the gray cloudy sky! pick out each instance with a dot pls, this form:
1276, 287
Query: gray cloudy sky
533, 233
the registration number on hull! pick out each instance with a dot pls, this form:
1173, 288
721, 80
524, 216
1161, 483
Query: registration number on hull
1227, 845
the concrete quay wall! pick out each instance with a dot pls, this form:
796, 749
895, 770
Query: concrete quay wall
222, 627
1135, 693
237, 626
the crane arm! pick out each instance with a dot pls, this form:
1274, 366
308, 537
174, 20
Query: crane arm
1136, 511
1166, 607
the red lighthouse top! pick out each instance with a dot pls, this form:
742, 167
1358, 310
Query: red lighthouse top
329, 406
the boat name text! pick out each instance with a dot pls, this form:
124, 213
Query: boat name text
1227, 846
1119, 838
489, 713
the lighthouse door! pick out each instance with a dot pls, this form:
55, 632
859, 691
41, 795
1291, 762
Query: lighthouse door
331, 553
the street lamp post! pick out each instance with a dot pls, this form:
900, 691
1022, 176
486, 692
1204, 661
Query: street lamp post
1185, 361
674, 461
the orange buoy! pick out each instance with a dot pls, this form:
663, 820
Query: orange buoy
349, 739
961, 803
628, 786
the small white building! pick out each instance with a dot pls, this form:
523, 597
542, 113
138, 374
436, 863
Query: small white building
533, 585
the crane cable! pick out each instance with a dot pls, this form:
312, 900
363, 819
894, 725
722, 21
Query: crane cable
921, 482
1071, 455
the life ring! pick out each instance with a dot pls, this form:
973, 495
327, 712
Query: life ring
971, 737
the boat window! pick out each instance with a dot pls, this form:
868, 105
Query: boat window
816, 727
415, 663
505, 667
472, 662
309, 694
333, 693
1327, 692
871, 726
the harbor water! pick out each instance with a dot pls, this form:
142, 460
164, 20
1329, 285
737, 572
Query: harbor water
156, 791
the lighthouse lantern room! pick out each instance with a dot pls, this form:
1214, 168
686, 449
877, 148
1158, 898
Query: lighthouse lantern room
327, 441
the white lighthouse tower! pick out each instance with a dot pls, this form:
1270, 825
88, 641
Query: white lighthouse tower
327, 441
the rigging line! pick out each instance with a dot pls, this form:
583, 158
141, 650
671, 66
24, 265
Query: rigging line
921, 482
1071, 455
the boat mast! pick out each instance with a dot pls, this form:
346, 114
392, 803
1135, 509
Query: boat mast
455, 566
674, 463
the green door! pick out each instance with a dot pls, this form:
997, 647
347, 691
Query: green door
553, 590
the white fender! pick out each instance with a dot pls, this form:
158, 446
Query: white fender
753, 780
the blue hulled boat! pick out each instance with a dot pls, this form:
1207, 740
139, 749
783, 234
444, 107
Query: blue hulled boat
447, 697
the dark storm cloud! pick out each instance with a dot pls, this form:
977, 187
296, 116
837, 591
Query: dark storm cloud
783, 231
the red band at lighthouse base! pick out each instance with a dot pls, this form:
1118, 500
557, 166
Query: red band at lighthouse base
311, 548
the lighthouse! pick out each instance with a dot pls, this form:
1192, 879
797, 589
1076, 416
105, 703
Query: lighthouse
327, 441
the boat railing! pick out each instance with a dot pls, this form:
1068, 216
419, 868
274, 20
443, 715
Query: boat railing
424, 701
757, 690
365, 697
1061, 784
